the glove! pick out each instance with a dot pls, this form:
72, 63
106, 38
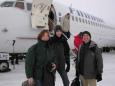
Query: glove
99, 77
77, 74
76, 82
51, 67
30, 81
68, 67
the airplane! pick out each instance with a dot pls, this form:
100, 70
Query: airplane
22, 20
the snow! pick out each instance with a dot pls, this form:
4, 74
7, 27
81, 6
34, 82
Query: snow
17, 75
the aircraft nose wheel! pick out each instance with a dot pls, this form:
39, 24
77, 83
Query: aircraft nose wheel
4, 66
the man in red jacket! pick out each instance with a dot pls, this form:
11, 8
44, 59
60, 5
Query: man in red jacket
78, 41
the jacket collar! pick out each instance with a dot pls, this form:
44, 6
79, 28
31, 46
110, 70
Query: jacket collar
42, 43
91, 44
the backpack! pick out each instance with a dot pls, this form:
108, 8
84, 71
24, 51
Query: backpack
75, 82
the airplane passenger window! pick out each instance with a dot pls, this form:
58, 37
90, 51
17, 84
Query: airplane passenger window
78, 13
20, 5
79, 19
92, 23
59, 14
60, 19
94, 18
97, 19
76, 19
73, 18
71, 11
81, 13
29, 6
95, 24
85, 15
7, 4
100, 25
88, 16
102, 20
89, 22
83, 20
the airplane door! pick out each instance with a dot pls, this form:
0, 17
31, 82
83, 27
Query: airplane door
40, 11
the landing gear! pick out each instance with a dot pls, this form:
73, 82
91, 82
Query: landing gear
113, 48
14, 59
106, 49
4, 66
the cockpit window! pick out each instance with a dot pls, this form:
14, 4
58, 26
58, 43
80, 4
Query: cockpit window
29, 6
20, 5
7, 4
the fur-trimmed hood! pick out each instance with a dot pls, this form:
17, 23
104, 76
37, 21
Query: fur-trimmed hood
92, 44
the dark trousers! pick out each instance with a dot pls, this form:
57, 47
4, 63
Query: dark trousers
39, 83
49, 78
64, 77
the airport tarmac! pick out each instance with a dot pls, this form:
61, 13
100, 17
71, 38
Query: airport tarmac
15, 77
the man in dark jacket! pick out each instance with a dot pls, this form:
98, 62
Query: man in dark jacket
90, 61
62, 52
40, 62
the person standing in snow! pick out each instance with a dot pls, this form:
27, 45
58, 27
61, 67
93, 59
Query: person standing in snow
62, 52
40, 62
90, 62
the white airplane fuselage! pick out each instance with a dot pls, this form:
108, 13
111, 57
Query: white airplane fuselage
15, 24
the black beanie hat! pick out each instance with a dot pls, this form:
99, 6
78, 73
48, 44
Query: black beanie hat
58, 28
86, 32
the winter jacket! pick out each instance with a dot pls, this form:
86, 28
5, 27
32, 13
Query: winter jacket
38, 57
62, 51
90, 62
77, 42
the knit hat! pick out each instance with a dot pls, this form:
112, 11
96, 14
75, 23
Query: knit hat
80, 34
58, 28
86, 32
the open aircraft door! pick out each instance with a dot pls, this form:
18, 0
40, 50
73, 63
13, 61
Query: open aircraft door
40, 12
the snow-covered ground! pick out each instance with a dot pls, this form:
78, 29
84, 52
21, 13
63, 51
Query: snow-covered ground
15, 77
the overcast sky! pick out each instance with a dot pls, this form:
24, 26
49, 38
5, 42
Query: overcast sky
101, 8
